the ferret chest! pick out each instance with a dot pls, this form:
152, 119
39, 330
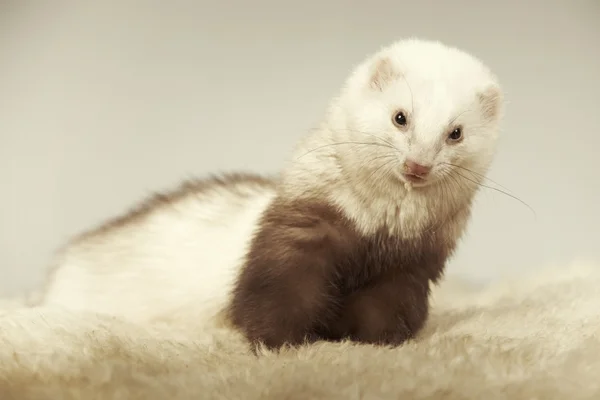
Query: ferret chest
382, 256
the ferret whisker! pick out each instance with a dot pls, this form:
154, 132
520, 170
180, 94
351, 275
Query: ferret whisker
458, 116
500, 191
373, 135
477, 174
446, 184
344, 143
390, 156
383, 171
461, 183
384, 164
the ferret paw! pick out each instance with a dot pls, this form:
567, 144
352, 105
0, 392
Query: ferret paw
392, 338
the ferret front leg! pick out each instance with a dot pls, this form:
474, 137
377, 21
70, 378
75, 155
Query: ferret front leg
387, 312
280, 301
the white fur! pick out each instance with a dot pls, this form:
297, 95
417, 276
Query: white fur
188, 254
188, 251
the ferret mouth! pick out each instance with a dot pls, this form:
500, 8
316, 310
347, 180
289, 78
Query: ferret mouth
413, 178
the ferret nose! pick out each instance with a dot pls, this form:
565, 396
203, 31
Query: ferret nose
416, 169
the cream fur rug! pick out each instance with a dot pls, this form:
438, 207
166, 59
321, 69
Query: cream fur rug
535, 339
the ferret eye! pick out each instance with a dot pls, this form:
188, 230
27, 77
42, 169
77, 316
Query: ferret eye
455, 135
400, 119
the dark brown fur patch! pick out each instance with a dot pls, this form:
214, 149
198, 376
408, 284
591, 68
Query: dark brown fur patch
311, 275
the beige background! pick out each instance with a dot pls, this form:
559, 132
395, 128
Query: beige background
103, 102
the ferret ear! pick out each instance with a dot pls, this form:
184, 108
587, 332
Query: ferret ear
491, 101
382, 74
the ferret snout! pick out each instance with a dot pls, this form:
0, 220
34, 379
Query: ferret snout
414, 168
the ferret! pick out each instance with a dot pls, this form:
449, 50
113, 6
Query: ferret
343, 243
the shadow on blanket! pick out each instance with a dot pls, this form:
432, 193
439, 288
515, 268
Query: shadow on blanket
537, 338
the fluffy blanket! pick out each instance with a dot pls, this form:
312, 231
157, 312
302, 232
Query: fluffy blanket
538, 338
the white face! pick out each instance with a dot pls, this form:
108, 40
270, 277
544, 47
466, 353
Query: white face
424, 124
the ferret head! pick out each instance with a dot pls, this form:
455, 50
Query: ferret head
422, 111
